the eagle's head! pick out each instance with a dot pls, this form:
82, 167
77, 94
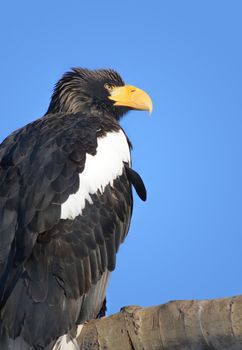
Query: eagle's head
96, 92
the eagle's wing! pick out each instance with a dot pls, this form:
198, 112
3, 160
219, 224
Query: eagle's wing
52, 257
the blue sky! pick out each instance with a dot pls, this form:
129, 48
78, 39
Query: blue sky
185, 241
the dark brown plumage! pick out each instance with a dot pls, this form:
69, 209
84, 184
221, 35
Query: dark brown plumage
54, 265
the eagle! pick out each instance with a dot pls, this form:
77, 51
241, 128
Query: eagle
65, 207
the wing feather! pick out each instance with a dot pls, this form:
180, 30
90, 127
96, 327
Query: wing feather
50, 265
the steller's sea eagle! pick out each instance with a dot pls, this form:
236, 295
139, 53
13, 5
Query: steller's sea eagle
65, 207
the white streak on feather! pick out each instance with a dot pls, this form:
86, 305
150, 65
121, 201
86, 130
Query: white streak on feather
100, 170
65, 342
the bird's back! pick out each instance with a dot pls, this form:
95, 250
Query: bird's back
70, 217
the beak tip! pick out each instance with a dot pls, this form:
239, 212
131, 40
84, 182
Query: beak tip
150, 107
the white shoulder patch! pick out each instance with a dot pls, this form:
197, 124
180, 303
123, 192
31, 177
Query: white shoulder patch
100, 170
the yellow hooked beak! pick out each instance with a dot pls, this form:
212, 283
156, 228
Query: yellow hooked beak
131, 96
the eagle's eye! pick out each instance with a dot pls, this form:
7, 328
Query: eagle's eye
108, 87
